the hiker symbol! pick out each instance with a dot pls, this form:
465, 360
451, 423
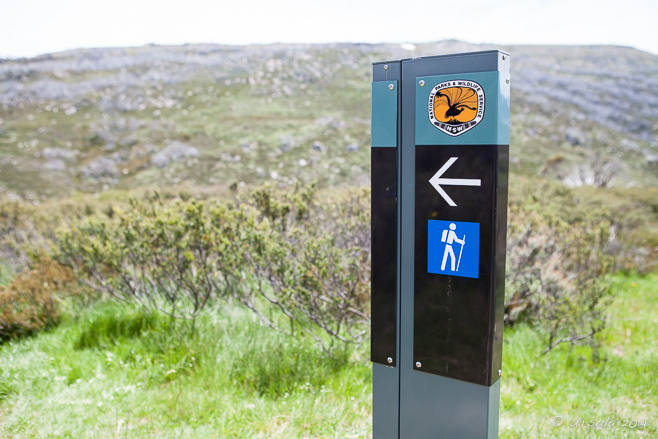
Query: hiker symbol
453, 248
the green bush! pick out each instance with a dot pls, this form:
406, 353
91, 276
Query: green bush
557, 276
301, 262
28, 231
298, 263
311, 260
174, 257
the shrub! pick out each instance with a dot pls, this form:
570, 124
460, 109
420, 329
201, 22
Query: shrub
30, 302
174, 257
28, 231
311, 260
300, 260
23, 233
557, 277
299, 264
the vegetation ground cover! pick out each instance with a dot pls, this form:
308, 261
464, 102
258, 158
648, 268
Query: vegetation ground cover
209, 115
119, 371
537, 388
206, 125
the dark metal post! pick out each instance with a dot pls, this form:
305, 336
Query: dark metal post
437, 310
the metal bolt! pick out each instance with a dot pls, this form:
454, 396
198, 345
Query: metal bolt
500, 372
418, 364
385, 66
422, 84
390, 360
504, 57
507, 81
391, 86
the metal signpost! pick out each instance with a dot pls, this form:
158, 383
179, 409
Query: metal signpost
440, 140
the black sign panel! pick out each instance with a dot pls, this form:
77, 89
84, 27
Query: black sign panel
384, 255
460, 231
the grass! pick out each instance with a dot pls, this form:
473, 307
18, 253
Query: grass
536, 388
118, 371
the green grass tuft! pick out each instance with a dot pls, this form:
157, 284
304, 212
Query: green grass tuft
106, 327
143, 375
274, 365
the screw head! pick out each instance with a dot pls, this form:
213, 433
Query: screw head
421, 83
418, 364
389, 360
500, 372
385, 66
391, 86
507, 81
504, 57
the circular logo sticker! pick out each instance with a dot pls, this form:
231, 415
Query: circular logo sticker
456, 106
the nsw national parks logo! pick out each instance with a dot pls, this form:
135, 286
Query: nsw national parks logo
456, 106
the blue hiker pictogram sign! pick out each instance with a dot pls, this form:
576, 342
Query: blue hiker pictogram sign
453, 248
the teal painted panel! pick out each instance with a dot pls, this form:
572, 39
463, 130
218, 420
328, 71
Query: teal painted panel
503, 108
384, 127
462, 109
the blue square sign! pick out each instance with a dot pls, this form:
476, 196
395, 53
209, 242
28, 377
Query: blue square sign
453, 248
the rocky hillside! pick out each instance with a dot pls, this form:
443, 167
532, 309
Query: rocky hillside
91, 120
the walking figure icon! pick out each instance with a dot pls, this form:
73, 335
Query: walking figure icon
453, 248
449, 237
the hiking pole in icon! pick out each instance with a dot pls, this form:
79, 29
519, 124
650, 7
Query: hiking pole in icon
460, 252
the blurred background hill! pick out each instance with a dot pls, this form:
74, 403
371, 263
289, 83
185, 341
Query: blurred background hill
212, 115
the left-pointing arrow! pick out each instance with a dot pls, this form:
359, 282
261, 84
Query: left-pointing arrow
436, 181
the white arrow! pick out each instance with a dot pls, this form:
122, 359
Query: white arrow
436, 181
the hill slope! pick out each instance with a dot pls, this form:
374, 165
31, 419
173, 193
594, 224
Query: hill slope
213, 115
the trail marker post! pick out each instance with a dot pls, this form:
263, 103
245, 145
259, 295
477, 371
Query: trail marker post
440, 141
